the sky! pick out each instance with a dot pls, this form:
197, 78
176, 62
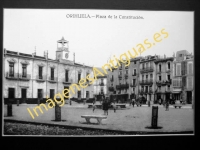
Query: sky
96, 40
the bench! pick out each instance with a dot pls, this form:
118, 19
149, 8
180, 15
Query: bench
97, 106
121, 105
88, 117
178, 105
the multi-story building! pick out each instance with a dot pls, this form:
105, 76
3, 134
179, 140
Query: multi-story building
122, 81
164, 73
100, 85
147, 78
183, 83
29, 77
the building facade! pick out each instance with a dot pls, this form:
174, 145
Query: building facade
29, 77
183, 80
147, 78
164, 73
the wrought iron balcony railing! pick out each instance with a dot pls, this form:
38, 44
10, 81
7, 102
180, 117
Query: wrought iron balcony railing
146, 82
111, 88
133, 84
125, 86
119, 76
68, 81
148, 69
126, 76
101, 84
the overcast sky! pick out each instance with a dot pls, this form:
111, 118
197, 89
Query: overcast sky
94, 40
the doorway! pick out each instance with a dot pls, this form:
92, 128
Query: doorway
189, 97
23, 91
66, 87
11, 93
52, 93
40, 94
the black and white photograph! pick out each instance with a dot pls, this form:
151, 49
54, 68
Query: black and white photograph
97, 72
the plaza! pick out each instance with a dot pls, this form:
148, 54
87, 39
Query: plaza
125, 119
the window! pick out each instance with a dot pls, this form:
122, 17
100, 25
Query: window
146, 89
134, 71
133, 90
40, 72
79, 94
52, 73
168, 65
24, 70
142, 88
86, 77
87, 94
178, 69
142, 66
79, 77
159, 88
151, 76
189, 82
168, 77
11, 69
146, 77
180, 55
102, 90
66, 75
159, 78
160, 68
134, 62
126, 71
168, 88
190, 68
134, 81
142, 77
101, 81
120, 72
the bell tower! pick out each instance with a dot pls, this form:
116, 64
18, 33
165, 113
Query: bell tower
62, 49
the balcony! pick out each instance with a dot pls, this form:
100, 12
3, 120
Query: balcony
101, 84
133, 84
146, 82
14, 76
159, 72
159, 83
52, 79
120, 76
67, 81
26, 77
168, 70
40, 78
125, 86
111, 88
118, 87
126, 76
120, 68
134, 74
126, 67
148, 69
141, 91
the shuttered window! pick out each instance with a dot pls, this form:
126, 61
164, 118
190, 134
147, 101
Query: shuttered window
190, 83
178, 69
190, 68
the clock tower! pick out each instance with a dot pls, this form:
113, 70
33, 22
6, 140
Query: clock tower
62, 49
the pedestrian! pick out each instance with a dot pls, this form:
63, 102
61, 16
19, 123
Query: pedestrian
133, 102
130, 102
160, 101
114, 106
167, 105
94, 107
105, 106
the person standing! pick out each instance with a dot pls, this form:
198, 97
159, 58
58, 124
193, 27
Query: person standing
114, 106
105, 106
167, 105
94, 107
133, 102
